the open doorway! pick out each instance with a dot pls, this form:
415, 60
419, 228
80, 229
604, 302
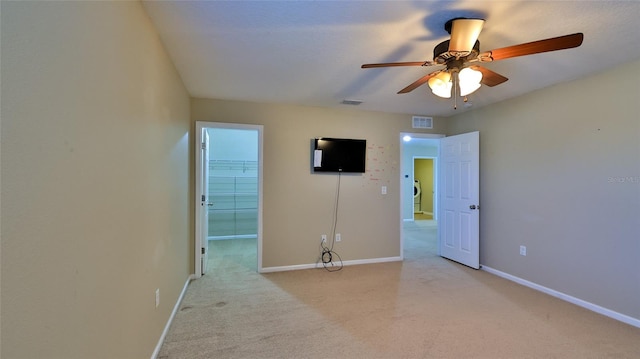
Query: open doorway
229, 200
418, 200
456, 192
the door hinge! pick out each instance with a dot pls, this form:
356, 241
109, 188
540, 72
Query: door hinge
203, 198
202, 250
204, 146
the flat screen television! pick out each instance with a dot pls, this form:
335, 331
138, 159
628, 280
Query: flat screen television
339, 155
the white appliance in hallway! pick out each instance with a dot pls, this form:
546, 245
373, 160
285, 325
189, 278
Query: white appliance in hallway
417, 195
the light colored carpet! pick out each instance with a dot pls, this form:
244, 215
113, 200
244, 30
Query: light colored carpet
424, 307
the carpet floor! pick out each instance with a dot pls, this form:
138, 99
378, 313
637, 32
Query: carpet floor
423, 307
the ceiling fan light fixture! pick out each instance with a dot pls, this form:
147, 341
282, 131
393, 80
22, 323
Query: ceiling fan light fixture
463, 49
469, 80
441, 84
464, 34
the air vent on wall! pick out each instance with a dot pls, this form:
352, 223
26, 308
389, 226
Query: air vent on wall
422, 122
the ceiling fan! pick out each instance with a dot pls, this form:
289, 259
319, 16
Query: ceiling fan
460, 54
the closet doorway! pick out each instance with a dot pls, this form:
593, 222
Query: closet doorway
229, 183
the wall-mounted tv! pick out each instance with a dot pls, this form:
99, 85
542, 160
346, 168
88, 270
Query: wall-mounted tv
339, 155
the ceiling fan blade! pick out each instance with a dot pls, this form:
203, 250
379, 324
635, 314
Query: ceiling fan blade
535, 47
464, 34
394, 64
489, 78
419, 82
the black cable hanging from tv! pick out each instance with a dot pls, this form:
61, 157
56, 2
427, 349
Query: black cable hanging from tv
328, 253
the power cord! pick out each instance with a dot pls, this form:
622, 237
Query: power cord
327, 252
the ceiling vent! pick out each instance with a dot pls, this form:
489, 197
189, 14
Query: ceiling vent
422, 122
351, 102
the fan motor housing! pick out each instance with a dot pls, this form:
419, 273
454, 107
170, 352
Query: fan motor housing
441, 54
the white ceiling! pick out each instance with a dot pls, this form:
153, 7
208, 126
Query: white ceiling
310, 52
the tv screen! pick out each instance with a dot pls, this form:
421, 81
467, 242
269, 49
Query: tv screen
339, 155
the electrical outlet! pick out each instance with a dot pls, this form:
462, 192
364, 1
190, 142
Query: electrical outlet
523, 250
338, 237
157, 297
384, 190
324, 238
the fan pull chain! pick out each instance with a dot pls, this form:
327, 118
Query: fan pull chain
455, 89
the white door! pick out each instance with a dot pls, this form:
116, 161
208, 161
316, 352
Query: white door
205, 202
459, 222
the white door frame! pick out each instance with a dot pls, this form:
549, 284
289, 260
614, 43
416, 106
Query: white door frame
199, 236
404, 186
205, 201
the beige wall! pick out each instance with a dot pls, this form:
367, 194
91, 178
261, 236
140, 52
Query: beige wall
298, 205
560, 174
95, 177
97, 165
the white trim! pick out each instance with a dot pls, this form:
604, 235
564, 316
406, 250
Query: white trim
197, 202
422, 135
319, 265
155, 353
577, 301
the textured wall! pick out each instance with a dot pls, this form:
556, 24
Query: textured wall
298, 204
559, 173
95, 181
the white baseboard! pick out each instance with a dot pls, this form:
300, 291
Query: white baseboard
577, 301
173, 314
319, 265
